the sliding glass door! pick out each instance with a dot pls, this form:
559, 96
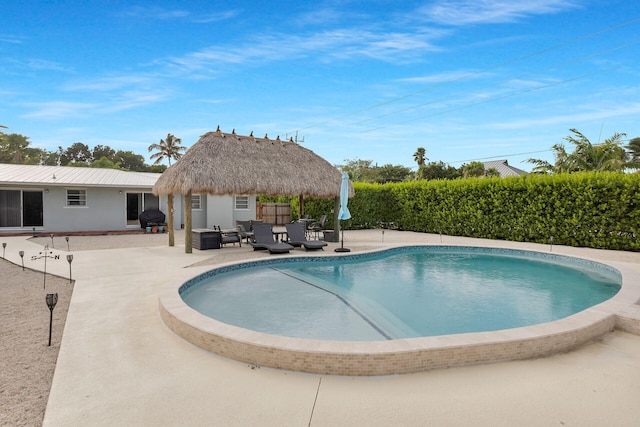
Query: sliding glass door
21, 208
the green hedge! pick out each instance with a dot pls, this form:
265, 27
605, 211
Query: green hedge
598, 210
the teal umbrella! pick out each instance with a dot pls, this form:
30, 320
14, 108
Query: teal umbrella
344, 213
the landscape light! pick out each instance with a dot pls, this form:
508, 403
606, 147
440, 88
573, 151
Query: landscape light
52, 300
70, 258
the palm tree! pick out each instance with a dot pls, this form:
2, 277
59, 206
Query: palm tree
168, 148
607, 156
633, 148
420, 156
562, 163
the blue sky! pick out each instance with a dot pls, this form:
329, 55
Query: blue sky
374, 80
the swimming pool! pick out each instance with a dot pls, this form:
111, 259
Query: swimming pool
402, 293
388, 356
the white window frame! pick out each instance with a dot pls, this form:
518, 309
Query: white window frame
196, 202
241, 203
80, 199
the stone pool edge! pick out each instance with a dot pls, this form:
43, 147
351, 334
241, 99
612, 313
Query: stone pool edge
376, 358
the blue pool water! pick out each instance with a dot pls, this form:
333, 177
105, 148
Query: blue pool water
401, 293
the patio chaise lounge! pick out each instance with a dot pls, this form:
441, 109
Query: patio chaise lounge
263, 239
298, 238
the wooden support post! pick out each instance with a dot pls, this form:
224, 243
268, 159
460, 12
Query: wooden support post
170, 222
187, 223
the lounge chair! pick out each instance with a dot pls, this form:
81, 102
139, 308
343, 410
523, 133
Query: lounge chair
297, 237
263, 239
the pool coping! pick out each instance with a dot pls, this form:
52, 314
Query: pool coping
410, 355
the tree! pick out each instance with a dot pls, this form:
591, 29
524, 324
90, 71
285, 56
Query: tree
472, 170
562, 162
168, 148
491, 172
391, 173
76, 153
420, 156
363, 171
105, 163
437, 170
100, 151
15, 148
130, 161
358, 170
633, 148
607, 156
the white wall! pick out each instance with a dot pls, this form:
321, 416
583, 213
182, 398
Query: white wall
105, 210
216, 210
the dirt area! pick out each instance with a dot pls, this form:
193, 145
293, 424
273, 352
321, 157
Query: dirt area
27, 362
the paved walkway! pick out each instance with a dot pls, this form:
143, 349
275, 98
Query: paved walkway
119, 365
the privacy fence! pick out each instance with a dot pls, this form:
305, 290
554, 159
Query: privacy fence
598, 210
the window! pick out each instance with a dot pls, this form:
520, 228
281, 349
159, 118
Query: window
242, 202
196, 201
76, 197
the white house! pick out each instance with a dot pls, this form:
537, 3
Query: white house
75, 199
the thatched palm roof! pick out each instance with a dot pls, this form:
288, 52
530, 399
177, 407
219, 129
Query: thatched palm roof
226, 163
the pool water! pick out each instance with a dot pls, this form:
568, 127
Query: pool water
401, 293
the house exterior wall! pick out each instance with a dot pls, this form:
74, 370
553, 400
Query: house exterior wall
178, 211
105, 210
215, 210
244, 214
220, 211
199, 216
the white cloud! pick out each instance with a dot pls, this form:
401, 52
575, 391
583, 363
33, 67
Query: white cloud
10, 38
325, 45
586, 116
440, 77
216, 17
159, 13
108, 83
59, 109
462, 12
154, 13
133, 99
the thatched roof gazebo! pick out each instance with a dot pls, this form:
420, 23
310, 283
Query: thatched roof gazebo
227, 163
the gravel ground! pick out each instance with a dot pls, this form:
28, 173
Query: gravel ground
27, 362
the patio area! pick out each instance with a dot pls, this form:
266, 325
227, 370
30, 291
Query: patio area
120, 365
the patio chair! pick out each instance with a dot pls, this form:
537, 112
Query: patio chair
228, 236
298, 238
317, 227
244, 229
263, 239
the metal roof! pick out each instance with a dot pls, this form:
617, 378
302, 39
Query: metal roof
504, 168
74, 176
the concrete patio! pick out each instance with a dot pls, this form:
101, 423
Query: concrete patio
120, 365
